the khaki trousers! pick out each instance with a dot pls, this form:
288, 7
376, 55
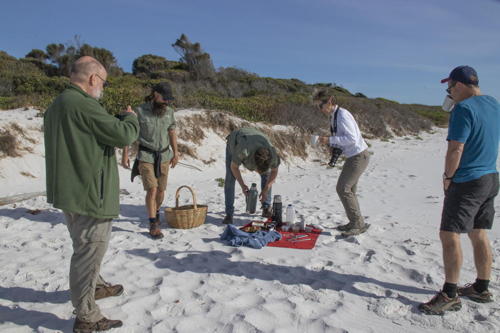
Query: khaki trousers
90, 238
347, 185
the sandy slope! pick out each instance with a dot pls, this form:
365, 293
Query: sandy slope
191, 282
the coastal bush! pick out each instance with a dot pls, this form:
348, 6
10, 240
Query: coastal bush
149, 63
124, 91
8, 143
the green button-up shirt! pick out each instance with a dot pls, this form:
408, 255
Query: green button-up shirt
153, 132
243, 144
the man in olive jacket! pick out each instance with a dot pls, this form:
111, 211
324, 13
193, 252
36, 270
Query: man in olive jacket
82, 181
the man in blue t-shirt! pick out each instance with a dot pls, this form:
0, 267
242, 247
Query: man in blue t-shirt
470, 182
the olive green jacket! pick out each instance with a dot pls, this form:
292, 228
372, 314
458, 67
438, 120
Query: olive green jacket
243, 144
81, 168
153, 133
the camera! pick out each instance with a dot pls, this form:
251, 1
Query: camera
336, 152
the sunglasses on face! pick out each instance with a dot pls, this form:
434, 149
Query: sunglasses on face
448, 90
105, 83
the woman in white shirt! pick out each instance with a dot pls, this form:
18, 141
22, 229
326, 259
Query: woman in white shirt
346, 138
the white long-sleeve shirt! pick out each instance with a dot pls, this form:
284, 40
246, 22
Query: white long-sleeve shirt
348, 136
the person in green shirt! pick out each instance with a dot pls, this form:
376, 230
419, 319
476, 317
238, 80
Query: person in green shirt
82, 180
252, 149
157, 150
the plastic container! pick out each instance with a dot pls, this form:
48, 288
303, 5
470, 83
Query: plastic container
290, 215
314, 140
251, 199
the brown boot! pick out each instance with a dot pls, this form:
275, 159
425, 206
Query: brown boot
104, 324
440, 303
103, 291
471, 293
154, 230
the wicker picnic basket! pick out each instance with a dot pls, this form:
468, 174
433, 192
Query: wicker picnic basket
186, 216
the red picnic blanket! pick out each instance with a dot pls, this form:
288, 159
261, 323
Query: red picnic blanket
296, 240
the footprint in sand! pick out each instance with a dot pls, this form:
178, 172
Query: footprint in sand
369, 255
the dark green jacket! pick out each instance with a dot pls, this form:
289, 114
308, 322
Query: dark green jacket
81, 168
244, 143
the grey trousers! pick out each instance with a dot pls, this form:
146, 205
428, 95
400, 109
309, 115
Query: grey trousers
347, 184
90, 238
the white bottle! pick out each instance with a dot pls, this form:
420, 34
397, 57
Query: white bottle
290, 215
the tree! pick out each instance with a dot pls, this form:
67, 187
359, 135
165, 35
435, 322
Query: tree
150, 64
37, 54
197, 61
64, 56
104, 56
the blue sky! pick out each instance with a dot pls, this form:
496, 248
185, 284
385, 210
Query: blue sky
397, 49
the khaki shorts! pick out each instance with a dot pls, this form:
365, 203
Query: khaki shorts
148, 176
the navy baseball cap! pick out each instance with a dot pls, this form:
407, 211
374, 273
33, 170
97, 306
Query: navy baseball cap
165, 90
464, 74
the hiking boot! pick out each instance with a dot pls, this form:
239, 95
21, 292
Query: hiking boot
267, 212
228, 219
440, 303
355, 230
154, 230
103, 291
345, 227
471, 293
104, 324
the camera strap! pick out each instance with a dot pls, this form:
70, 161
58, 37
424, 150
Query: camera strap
333, 127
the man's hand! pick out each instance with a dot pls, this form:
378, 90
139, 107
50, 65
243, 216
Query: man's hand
125, 162
446, 184
174, 160
263, 194
245, 189
324, 140
129, 110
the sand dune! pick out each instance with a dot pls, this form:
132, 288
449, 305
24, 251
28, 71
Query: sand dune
191, 282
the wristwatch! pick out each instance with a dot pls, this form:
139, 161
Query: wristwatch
445, 176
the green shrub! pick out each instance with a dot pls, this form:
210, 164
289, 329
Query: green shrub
124, 91
438, 117
39, 84
149, 64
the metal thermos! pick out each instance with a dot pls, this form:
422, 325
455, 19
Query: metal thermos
251, 199
277, 210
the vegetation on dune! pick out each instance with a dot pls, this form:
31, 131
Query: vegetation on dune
41, 75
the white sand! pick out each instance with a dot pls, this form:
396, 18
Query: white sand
191, 282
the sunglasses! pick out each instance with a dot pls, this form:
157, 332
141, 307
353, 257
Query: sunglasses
448, 90
105, 84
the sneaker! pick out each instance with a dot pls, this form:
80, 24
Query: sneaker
471, 293
103, 291
228, 219
154, 230
440, 303
104, 324
266, 212
355, 231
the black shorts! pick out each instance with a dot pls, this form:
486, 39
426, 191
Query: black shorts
470, 205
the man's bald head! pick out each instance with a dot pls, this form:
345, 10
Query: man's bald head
90, 75
84, 67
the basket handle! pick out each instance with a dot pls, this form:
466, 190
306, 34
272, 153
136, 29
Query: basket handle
177, 196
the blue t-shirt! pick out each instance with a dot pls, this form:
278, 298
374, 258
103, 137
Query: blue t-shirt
475, 122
